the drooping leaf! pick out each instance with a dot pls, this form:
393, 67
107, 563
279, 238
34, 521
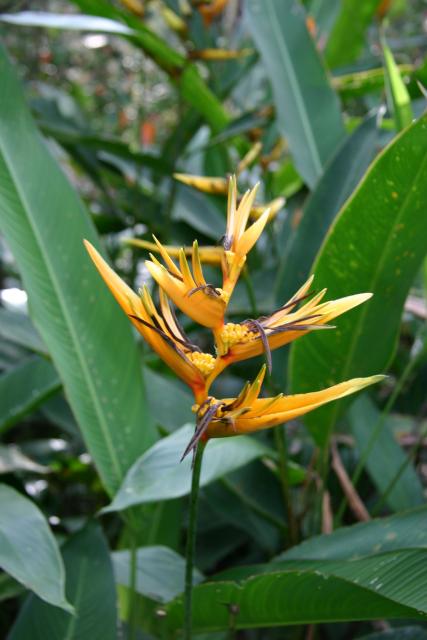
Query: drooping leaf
386, 457
304, 592
44, 223
94, 24
334, 187
91, 590
159, 474
308, 111
28, 550
376, 244
18, 328
24, 388
160, 572
348, 34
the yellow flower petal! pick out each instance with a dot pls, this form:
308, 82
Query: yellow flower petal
217, 186
204, 306
141, 312
207, 255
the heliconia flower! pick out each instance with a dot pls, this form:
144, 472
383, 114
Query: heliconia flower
248, 413
208, 255
238, 239
188, 289
159, 328
252, 337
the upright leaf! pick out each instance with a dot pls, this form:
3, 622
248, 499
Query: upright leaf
91, 590
44, 223
348, 35
377, 244
334, 187
308, 110
397, 92
28, 550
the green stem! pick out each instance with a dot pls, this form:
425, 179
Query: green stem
132, 622
376, 432
282, 450
191, 541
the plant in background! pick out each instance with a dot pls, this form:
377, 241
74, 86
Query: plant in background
207, 304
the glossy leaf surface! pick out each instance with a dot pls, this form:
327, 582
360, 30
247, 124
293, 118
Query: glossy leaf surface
390, 203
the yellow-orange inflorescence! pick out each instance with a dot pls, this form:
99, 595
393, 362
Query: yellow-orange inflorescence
206, 304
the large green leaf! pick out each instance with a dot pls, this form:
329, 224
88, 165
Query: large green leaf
334, 187
24, 388
377, 244
169, 402
348, 35
160, 572
159, 474
390, 585
386, 456
308, 110
401, 531
28, 550
90, 588
44, 223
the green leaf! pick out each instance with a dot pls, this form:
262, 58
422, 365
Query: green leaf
160, 572
28, 550
88, 337
376, 244
401, 531
334, 187
169, 402
91, 589
298, 592
386, 457
24, 388
9, 588
396, 91
159, 474
348, 35
308, 111
18, 328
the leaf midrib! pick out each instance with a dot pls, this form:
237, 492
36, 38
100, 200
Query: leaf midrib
57, 288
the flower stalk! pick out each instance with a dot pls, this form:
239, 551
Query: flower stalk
191, 540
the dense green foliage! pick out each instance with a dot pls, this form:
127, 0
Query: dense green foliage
315, 529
